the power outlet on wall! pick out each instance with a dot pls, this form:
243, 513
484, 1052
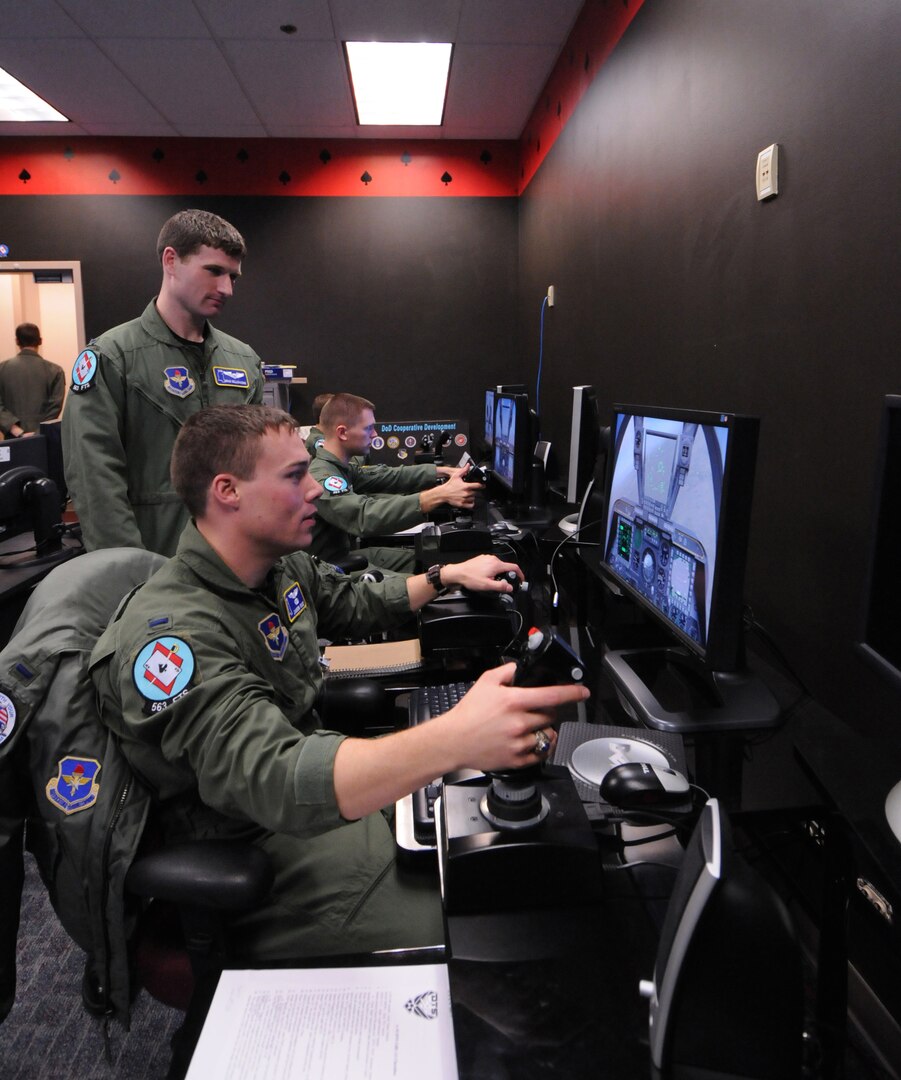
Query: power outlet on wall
768, 172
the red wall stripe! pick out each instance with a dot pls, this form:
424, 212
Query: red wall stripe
600, 25
290, 167
345, 167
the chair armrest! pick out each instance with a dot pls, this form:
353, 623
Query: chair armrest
221, 875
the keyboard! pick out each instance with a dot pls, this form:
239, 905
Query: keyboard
427, 702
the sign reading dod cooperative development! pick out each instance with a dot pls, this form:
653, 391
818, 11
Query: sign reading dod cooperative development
412, 442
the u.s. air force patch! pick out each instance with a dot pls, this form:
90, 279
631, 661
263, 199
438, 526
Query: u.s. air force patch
163, 671
83, 371
7, 717
178, 382
295, 601
75, 785
275, 635
335, 485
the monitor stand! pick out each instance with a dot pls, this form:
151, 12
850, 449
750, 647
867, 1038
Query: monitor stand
670, 690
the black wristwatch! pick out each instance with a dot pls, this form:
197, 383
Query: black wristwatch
433, 577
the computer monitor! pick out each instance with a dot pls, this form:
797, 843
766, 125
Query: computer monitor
512, 449
727, 994
584, 442
489, 420
880, 631
29, 500
679, 489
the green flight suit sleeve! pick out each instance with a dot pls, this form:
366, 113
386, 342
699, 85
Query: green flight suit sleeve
360, 514
348, 607
225, 732
390, 479
94, 458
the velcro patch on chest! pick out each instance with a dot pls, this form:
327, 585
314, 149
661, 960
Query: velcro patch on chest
178, 382
274, 635
75, 786
226, 376
295, 601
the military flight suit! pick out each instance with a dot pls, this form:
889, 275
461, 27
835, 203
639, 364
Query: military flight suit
210, 687
132, 389
314, 440
366, 500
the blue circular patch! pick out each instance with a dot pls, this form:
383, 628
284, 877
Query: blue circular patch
163, 668
335, 485
85, 368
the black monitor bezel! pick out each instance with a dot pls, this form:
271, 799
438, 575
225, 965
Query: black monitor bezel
489, 439
723, 650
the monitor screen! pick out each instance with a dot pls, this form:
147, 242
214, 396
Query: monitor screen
678, 509
512, 453
880, 638
489, 419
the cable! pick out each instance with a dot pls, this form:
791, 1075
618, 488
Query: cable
556, 552
540, 356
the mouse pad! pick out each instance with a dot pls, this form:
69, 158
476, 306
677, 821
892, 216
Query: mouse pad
589, 750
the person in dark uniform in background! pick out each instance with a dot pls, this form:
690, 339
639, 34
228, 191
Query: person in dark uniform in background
372, 500
209, 678
31, 388
135, 385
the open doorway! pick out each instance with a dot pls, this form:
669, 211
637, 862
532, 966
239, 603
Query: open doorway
48, 294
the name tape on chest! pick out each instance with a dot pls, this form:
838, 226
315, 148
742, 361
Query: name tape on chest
237, 377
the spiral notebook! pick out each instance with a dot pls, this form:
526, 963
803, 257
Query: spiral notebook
381, 658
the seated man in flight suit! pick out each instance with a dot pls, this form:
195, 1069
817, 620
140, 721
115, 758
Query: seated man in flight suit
209, 673
371, 500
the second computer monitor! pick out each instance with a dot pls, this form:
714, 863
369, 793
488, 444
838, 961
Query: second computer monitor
512, 453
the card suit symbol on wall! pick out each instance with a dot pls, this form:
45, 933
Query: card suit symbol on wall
24, 176
201, 177
68, 153
447, 178
366, 178
405, 158
157, 155
325, 157
115, 176
284, 177
243, 156
485, 157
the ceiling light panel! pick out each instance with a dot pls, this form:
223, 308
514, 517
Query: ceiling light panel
399, 82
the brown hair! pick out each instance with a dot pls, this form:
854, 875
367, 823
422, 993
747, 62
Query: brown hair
28, 336
221, 439
188, 230
343, 409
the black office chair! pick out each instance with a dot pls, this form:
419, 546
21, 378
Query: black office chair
67, 794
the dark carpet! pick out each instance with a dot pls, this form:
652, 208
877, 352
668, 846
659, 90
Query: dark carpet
48, 1033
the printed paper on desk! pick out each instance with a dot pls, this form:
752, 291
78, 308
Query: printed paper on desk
367, 1023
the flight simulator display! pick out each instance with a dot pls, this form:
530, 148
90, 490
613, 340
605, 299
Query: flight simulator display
511, 435
679, 493
664, 513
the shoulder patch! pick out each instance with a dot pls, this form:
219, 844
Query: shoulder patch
7, 717
295, 601
163, 670
83, 371
335, 485
178, 382
75, 786
319, 443
274, 635
223, 376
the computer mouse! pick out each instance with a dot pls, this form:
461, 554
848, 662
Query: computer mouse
636, 785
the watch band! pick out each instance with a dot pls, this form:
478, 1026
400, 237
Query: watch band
433, 577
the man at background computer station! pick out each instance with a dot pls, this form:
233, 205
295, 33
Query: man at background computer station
31, 388
209, 679
374, 500
135, 385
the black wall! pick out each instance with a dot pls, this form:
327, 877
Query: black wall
675, 286
410, 302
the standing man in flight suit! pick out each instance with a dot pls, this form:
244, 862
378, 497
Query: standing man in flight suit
209, 677
371, 500
31, 388
135, 385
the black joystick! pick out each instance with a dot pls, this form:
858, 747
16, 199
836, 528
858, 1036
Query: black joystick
511, 576
476, 474
548, 660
